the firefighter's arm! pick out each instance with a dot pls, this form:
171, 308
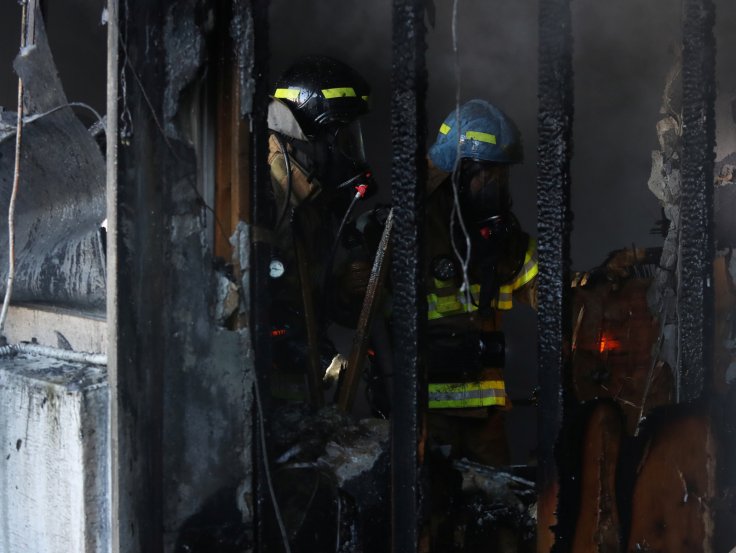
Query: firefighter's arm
301, 185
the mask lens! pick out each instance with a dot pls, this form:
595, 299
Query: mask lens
349, 141
483, 190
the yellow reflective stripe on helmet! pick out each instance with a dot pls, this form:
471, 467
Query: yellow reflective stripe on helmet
343, 92
287, 93
481, 136
444, 129
461, 395
365, 98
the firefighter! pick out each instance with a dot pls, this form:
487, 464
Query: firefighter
479, 263
318, 174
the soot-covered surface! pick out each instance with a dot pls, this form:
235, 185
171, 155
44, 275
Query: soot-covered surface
61, 197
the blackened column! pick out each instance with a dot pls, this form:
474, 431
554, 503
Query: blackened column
553, 207
408, 136
695, 296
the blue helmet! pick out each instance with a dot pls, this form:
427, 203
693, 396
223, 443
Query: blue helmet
487, 134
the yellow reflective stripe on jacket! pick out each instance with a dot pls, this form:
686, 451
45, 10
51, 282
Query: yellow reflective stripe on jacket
342, 92
505, 299
481, 136
287, 93
453, 303
461, 395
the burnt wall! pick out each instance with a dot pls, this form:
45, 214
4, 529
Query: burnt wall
181, 384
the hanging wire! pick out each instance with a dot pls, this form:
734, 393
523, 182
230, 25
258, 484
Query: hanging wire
16, 180
89, 108
456, 211
678, 318
267, 471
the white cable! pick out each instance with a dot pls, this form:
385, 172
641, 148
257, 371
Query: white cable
38, 116
16, 181
456, 211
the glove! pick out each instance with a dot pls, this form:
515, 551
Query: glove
332, 374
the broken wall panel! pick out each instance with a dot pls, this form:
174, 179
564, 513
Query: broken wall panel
696, 247
553, 204
61, 197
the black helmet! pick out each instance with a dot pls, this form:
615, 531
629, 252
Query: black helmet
322, 92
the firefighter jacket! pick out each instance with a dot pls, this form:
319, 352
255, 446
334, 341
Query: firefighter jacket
464, 355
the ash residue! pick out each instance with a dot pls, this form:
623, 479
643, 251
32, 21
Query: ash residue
185, 54
241, 32
69, 376
330, 468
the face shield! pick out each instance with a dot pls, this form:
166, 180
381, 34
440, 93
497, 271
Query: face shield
338, 155
348, 141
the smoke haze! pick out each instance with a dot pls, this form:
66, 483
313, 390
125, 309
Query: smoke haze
623, 51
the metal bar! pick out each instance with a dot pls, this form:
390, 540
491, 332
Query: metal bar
553, 207
111, 141
695, 296
356, 361
136, 271
408, 175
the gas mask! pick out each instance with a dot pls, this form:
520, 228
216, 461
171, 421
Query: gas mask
485, 204
336, 158
484, 194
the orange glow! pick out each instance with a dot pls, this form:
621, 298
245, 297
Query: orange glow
608, 344
278, 332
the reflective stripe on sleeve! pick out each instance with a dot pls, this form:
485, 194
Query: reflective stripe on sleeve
530, 268
462, 395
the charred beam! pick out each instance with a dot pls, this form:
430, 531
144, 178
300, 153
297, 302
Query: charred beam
553, 205
695, 299
136, 272
408, 174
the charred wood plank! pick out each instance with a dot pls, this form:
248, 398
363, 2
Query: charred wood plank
598, 527
672, 505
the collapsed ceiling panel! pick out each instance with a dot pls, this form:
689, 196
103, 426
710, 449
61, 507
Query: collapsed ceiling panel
61, 198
